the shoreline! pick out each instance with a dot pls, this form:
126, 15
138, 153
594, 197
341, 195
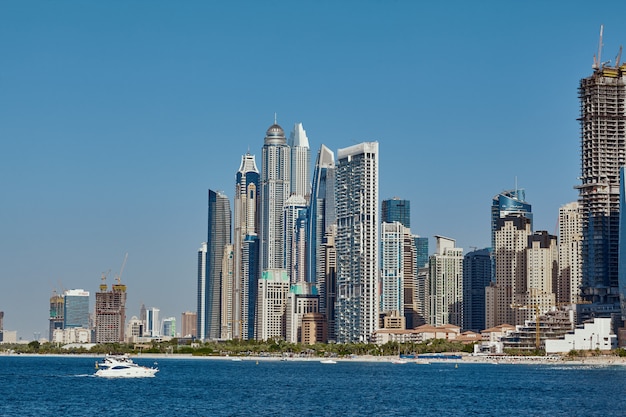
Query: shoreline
467, 359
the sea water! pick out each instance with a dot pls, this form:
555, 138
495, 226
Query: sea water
65, 386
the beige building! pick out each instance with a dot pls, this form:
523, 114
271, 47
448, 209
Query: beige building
570, 247
273, 288
446, 284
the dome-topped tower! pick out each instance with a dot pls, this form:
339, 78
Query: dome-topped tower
275, 135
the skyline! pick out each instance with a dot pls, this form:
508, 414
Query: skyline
110, 118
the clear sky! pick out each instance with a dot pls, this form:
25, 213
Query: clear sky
117, 116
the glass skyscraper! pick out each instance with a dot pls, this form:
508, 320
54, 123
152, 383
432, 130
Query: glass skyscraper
76, 309
396, 210
476, 277
209, 306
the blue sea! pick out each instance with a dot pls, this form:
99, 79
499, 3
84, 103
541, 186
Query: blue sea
65, 386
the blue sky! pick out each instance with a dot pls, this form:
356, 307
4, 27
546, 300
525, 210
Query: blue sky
116, 117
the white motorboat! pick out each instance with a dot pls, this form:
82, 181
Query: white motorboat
121, 366
328, 361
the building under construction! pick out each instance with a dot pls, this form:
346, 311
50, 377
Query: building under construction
110, 313
603, 151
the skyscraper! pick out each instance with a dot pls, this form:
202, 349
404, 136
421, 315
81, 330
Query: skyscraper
294, 216
511, 240
110, 313
396, 210
320, 220
218, 236
602, 98
570, 247
153, 323
476, 277
272, 304
507, 203
76, 309
622, 247
246, 247
202, 292
56, 314
446, 284
275, 190
300, 162
188, 324
357, 242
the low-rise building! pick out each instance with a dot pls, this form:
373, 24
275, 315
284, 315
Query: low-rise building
590, 336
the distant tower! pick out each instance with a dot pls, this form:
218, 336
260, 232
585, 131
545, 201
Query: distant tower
300, 162
202, 293
294, 214
246, 247
275, 189
218, 237
169, 327
603, 151
570, 250
271, 304
396, 210
76, 309
227, 294
357, 243
153, 324
508, 203
110, 313
446, 284
541, 277
188, 323
56, 314
421, 247
510, 261
392, 239
622, 248
320, 220
476, 277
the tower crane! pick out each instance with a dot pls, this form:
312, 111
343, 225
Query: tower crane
118, 278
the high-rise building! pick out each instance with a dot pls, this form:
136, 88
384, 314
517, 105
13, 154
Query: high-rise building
320, 219
294, 219
511, 241
357, 242
227, 320
111, 313
153, 324
302, 299
218, 236
446, 284
476, 277
245, 247
539, 293
272, 304
300, 162
511, 202
169, 327
188, 322
602, 98
421, 247
56, 314
202, 292
275, 190
570, 246
328, 297
622, 249
396, 210
76, 309
392, 277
